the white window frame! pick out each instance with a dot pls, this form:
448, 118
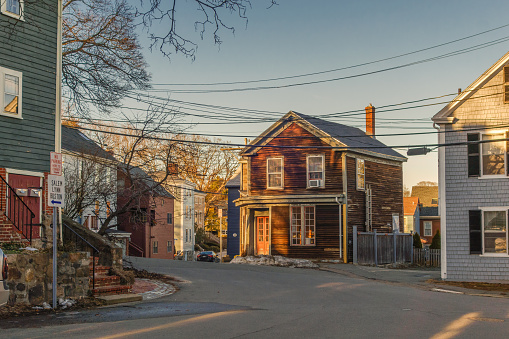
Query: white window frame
19, 16
495, 209
481, 164
281, 173
357, 174
19, 75
430, 223
322, 184
303, 226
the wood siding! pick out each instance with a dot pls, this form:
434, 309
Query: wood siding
326, 232
295, 165
30, 47
387, 197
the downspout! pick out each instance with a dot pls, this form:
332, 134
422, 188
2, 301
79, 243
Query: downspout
344, 214
340, 229
441, 202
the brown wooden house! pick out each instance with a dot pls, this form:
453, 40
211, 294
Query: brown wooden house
293, 178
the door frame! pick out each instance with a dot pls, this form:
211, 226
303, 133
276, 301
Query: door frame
30, 174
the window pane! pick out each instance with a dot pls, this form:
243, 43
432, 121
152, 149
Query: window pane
11, 94
275, 180
495, 235
309, 225
13, 6
274, 165
315, 164
493, 155
296, 226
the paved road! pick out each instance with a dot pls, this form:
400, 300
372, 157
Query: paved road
239, 301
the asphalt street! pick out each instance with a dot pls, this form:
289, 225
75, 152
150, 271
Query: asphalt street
241, 301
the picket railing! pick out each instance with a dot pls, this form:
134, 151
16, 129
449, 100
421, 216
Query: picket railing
427, 257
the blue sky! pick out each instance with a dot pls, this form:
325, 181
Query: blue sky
299, 37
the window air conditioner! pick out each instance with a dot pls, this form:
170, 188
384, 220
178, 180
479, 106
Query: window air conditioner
315, 183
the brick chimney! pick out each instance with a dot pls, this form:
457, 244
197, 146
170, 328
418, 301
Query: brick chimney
370, 120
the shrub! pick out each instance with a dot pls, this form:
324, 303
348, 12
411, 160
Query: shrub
435, 243
417, 240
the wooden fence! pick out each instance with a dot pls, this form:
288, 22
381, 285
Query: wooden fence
427, 257
372, 248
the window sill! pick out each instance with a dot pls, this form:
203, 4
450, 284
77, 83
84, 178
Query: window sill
17, 116
303, 245
497, 176
275, 188
495, 255
13, 15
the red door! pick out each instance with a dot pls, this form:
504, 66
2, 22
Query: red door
262, 235
16, 211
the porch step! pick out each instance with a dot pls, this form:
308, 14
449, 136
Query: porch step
111, 290
100, 270
105, 280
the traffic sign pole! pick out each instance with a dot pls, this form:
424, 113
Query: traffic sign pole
55, 245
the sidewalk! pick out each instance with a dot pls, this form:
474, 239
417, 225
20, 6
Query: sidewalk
417, 278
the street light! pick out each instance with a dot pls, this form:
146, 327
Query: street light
418, 151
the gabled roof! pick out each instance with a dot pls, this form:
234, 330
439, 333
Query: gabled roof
74, 141
334, 134
444, 115
429, 212
234, 182
141, 176
410, 204
426, 194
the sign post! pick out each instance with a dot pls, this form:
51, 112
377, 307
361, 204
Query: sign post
56, 199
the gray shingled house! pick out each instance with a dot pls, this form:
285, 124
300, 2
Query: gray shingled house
473, 179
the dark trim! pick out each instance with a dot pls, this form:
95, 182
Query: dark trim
474, 159
475, 225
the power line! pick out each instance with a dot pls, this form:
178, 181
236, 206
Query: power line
446, 55
335, 69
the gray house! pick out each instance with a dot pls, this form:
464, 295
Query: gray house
28, 58
473, 179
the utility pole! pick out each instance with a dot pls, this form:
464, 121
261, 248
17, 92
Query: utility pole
220, 215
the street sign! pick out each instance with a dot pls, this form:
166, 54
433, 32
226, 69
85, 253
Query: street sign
56, 191
55, 163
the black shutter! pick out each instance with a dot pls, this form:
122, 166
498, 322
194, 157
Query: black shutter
475, 223
473, 155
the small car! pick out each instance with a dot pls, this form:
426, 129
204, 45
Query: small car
207, 256
4, 267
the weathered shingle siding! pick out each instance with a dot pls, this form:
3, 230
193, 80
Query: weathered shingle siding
464, 193
30, 47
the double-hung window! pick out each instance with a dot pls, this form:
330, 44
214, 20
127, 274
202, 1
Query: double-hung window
302, 226
155, 247
10, 89
428, 229
315, 171
487, 158
169, 247
13, 8
275, 176
488, 231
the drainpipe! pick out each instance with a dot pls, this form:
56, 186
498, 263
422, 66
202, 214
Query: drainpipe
339, 201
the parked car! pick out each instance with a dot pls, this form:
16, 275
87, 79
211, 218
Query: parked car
4, 267
208, 256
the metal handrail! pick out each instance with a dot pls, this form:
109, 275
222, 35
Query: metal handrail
136, 247
84, 241
14, 206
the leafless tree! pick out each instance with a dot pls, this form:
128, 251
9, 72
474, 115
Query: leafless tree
102, 59
210, 14
427, 183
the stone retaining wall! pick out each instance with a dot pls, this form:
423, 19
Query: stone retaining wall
30, 277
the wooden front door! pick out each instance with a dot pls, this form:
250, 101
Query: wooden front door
34, 203
262, 236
